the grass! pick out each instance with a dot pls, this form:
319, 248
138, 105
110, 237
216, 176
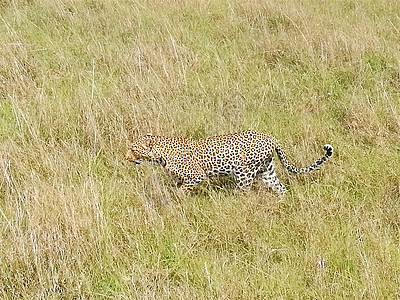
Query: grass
80, 79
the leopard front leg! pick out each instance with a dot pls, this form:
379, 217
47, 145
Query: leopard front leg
188, 175
190, 181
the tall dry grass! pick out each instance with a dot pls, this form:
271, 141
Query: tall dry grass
80, 79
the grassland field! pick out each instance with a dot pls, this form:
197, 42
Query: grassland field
79, 80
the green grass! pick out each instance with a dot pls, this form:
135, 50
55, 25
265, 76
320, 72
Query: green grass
79, 80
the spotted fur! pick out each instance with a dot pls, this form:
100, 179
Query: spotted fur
245, 155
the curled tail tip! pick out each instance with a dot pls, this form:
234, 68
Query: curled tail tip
329, 150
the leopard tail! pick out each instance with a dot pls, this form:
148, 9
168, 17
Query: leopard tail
291, 168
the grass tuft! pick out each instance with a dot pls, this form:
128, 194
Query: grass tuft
80, 79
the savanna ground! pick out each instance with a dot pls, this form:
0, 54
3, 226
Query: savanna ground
80, 79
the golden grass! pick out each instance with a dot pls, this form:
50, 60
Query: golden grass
80, 79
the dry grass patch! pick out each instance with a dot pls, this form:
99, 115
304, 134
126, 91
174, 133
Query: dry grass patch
79, 80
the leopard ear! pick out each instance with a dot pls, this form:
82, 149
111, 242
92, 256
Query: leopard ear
147, 144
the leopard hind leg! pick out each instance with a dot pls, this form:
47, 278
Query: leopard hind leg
244, 177
268, 176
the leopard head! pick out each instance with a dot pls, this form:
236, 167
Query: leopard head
141, 150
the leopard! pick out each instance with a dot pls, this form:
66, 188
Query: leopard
245, 155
